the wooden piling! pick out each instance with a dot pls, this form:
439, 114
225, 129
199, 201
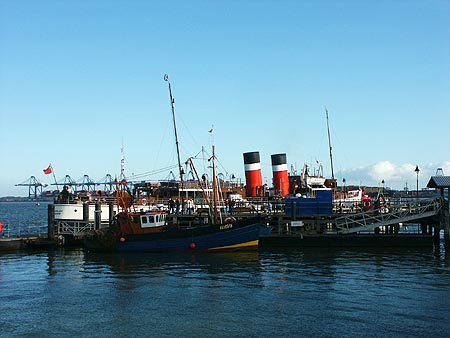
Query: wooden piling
294, 211
445, 217
111, 212
97, 215
86, 212
436, 235
51, 221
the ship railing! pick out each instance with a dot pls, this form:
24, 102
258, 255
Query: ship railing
393, 214
347, 206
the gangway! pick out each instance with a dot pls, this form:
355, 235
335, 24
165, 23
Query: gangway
400, 212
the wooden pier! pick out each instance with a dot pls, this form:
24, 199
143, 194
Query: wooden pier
442, 184
375, 227
336, 229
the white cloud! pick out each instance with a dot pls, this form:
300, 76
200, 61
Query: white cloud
395, 176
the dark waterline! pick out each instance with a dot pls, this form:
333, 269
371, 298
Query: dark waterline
310, 293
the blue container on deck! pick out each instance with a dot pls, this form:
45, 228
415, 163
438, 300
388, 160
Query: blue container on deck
322, 204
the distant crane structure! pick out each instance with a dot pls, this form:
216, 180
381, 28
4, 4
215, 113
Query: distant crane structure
108, 183
84, 183
87, 184
34, 187
68, 181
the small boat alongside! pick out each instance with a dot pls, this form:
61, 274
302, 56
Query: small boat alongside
161, 230
157, 232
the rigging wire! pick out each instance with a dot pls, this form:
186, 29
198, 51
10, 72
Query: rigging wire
154, 172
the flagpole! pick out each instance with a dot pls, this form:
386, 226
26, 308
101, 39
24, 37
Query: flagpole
54, 177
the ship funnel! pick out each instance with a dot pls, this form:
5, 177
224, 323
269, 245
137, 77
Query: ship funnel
280, 174
253, 177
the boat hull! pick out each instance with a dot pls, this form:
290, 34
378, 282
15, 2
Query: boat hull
225, 237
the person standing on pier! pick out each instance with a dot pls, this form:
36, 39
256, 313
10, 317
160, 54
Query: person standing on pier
65, 195
171, 206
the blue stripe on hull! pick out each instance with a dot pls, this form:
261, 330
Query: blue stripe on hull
203, 242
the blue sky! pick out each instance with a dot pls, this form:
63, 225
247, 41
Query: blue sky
80, 78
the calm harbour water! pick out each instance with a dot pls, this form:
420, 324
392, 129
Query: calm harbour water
282, 293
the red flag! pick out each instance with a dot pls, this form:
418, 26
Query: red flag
49, 170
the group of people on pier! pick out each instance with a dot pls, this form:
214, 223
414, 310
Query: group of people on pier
185, 207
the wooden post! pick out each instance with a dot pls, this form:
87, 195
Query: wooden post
111, 212
446, 232
51, 221
446, 215
436, 234
97, 215
86, 212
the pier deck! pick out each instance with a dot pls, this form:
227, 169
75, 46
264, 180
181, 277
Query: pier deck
402, 212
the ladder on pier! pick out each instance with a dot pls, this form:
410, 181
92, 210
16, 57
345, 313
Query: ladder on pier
398, 213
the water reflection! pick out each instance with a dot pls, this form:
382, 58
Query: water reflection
277, 292
136, 264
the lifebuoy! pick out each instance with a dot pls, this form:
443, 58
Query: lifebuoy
367, 204
144, 201
230, 219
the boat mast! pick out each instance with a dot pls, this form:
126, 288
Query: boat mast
213, 158
122, 164
172, 103
192, 166
329, 144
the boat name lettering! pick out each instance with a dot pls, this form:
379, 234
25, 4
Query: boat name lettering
226, 226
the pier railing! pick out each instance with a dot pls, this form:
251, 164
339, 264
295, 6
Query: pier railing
73, 227
23, 230
400, 212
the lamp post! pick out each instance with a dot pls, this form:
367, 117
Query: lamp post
417, 181
382, 182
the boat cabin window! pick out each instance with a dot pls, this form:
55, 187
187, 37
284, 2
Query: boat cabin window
153, 220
